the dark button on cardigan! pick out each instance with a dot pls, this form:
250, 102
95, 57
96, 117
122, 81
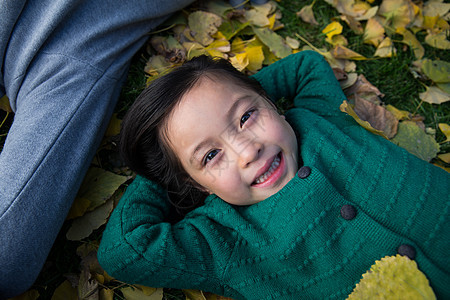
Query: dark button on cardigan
348, 212
407, 250
304, 172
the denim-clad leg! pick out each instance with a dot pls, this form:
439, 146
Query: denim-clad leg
63, 63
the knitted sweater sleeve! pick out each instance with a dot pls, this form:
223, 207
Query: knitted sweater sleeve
304, 78
139, 247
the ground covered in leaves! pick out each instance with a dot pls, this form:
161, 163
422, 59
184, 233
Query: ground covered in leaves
391, 58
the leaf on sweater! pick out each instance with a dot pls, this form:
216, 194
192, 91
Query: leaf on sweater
393, 277
414, 139
142, 293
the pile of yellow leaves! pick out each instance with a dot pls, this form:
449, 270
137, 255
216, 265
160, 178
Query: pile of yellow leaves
248, 38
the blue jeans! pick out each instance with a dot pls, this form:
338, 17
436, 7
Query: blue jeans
62, 65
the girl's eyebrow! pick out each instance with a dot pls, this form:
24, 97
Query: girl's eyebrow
203, 144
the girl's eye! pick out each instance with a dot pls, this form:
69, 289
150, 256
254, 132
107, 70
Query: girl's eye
210, 155
246, 116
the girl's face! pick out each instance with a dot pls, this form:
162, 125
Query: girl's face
232, 142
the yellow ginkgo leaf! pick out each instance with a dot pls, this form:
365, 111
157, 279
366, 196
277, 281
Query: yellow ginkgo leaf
293, 43
239, 61
429, 22
334, 28
386, 48
434, 95
204, 24
393, 277
373, 33
399, 13
255, 57
445, 128
337, 40
4, 104
438, 40
435, 8
445, 157
307, 15
343, 52
218, 48
410, 39
398, 114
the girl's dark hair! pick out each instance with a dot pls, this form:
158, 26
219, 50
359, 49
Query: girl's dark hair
143, 142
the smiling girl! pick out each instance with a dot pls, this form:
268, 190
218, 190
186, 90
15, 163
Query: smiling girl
287, 207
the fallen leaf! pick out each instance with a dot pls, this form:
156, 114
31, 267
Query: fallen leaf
445, 128
445, 157
83, 226
106, 294
393, 277
114, 126
438, 40
436, 70
353, 24
400, 13
293, 43
218, 48
65, 291
348, 109
99, 185
307, 15
435, 8
157, 65
343, 52
378, 117
349, 81
231, 28
274, 41
135, 293
373, 33
4, 104
78, 208
194, 295
255, 58
410, 39
203, 25
364, 89
414, 139
218, 7
398, 114
239, 61
385, 49
334, 28
258, 15
434, 95
87, 287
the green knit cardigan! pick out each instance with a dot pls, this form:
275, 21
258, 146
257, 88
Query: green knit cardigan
356, 198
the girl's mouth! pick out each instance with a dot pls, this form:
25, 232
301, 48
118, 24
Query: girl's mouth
273, 173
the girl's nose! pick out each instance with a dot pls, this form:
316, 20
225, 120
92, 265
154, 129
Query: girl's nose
249, 153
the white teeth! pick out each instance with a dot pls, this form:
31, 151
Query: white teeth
273, 166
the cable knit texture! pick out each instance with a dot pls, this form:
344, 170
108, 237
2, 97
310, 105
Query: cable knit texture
295, 244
